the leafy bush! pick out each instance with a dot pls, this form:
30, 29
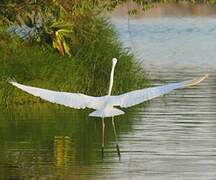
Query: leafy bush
87, 71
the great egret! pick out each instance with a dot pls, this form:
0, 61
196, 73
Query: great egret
105, 106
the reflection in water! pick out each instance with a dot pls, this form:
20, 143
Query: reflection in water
63, 154
62, 150
47, 143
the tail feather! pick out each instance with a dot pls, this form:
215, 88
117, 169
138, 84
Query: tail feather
109, 112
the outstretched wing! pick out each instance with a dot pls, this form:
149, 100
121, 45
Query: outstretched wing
73, 100
138, 96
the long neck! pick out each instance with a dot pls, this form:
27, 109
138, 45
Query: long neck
111, 79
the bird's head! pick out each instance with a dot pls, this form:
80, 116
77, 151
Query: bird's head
114, 61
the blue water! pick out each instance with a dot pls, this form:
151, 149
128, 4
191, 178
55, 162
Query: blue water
171, 40
176, 136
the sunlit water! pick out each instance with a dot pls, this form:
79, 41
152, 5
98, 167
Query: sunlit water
174, 137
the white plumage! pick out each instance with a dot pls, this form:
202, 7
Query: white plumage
105, 105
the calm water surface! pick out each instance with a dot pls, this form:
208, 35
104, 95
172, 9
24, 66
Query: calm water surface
174, 137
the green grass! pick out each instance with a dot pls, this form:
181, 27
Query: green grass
87, 71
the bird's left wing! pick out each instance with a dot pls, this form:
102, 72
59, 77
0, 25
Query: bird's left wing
138, 96
73, 100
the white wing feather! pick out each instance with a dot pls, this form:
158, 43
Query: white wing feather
74, 100
81, 101
138, 96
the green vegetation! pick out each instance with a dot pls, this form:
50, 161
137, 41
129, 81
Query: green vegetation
84, 45
86, 71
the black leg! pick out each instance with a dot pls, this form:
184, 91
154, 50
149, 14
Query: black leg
117, 146
102, 152
102, 145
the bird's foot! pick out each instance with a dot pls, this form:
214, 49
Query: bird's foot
102, 152
118, 151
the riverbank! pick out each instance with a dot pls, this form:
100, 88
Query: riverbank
86, 71
169, 9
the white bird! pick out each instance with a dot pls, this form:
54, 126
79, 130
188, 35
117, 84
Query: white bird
105, 106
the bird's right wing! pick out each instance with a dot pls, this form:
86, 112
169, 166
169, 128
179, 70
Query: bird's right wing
73, 100
138, 96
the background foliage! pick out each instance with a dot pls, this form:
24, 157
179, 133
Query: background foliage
87, 71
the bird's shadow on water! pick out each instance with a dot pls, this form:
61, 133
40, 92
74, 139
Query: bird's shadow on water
58, 139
